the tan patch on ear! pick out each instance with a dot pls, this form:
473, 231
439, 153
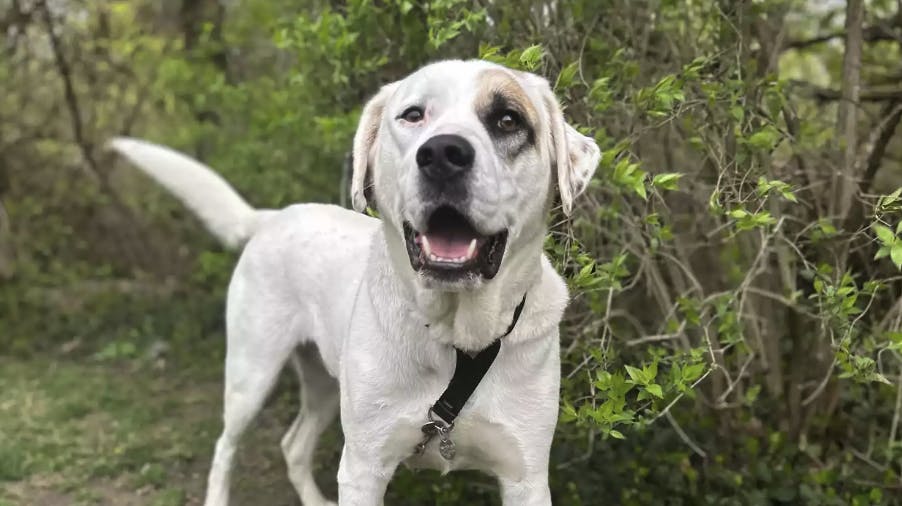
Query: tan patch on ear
494, 83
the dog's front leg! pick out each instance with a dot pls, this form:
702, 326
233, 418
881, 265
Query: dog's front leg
532, 491
362, 478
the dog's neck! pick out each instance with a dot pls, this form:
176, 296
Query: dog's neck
468, 319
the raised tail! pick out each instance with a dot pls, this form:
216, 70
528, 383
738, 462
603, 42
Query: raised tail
228, 216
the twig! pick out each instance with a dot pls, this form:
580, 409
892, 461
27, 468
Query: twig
875, 33
820, 386
685, 437
723, 397
879, 140
867, 95
680, 396
894, 426
867, 460
657, 337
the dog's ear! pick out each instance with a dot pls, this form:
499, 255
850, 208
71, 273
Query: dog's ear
364, 143
574, 155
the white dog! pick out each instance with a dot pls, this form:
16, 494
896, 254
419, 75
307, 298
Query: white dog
460, 159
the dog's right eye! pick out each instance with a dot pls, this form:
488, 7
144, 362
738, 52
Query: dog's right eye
412, 114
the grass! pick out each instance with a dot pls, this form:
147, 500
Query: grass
125, 433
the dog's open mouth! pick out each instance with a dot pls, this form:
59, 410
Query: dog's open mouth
451, 248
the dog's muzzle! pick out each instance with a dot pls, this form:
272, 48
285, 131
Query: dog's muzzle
451, 249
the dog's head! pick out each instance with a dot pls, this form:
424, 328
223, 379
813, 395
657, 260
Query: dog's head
460, 157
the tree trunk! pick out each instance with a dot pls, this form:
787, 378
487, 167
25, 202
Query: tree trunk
843, 181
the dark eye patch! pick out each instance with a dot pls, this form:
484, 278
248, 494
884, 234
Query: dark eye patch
511, 141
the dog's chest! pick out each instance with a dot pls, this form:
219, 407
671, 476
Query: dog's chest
483, 436
491, 447
389, 389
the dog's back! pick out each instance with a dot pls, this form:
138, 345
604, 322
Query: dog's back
303, 267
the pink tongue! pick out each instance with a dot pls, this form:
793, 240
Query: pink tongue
451, 246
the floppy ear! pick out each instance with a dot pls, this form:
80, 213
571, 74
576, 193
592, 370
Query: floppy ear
364, 142
575, 156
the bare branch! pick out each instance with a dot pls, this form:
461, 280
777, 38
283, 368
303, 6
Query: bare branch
866, 95
881, 31
65, 73
879, 140
685, 437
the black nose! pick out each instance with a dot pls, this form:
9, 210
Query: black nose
445, 157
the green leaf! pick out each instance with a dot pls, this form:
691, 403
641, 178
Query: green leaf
637, 375
886, 202
616, 434
764, 139
639, 187
883, 232
714, 203
693, 372
667, 181
751, 395
895, 254
532, 56
655, 390
487, 52
878, 378
565, 77
568, 414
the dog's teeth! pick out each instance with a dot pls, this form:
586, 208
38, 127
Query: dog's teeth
433, 257
471, 249
426, 248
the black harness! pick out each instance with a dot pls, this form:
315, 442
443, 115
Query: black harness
468, 373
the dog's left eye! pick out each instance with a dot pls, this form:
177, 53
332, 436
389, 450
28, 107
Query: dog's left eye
508, 121
412, 114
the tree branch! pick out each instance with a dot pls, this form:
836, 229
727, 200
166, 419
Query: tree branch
65, 73
868, 95
879, 140
882, 31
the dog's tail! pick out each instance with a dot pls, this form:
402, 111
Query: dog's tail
228, 216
